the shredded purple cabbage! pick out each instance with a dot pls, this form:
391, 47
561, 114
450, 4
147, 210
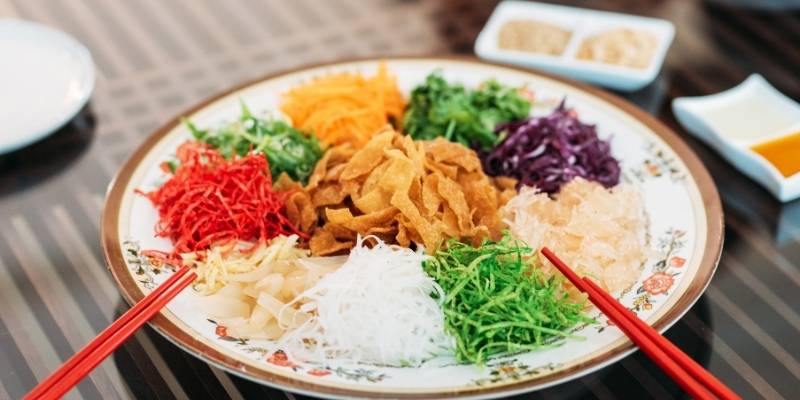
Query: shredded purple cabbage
547, 152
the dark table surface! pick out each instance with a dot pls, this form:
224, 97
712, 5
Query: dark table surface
155, 58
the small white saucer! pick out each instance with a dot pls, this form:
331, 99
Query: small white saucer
46, 77
780, 117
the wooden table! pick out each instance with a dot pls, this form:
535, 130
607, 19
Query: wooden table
155, 58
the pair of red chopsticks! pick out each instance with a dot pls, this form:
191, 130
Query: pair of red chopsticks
84, 361
693, 378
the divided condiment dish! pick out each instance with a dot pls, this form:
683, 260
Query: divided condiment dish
583, 24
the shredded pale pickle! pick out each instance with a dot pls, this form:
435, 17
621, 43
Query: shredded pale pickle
598, 232
246, 289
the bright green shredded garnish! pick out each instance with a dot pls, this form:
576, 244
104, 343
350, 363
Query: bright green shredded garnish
496, 302
469, 117
287, 149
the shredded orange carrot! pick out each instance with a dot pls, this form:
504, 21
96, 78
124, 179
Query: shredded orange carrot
346, 108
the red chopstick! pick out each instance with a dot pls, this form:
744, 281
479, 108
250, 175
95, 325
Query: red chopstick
692, 377
84, 361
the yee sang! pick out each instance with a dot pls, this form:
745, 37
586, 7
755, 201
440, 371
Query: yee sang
368, 229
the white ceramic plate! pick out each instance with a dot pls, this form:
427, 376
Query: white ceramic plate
685, 233
46, 77
583, 22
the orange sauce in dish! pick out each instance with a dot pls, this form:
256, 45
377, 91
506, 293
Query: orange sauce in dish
782, 152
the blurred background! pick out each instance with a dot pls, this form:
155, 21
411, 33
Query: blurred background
155, 58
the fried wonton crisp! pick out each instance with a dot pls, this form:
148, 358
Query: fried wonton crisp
401, 191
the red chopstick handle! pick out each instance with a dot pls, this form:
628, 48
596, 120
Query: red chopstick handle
696, 370
43, 386
651, 349
82, 363
686, 381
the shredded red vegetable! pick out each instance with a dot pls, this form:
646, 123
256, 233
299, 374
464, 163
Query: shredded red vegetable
213, 200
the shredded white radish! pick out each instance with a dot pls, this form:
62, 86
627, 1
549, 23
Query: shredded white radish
376, 308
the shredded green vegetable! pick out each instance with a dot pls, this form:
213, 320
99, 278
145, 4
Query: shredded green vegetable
469, 117
496, 302
287, 149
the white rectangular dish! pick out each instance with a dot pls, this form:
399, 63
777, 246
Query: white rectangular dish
583, 24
